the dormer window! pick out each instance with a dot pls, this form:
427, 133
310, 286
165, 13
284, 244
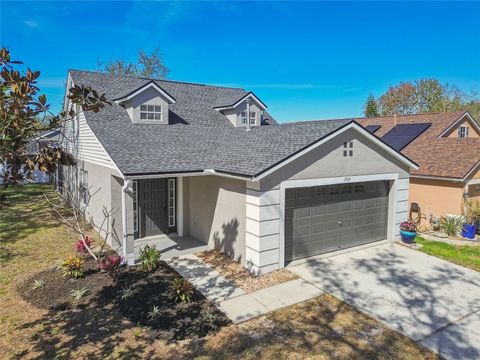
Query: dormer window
253, 117
148, 104
150, 112
243, 118
463, 131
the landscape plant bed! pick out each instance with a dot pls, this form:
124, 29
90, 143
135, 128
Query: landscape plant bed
243, 278
106, 298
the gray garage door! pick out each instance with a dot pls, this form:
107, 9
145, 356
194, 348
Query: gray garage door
327, 218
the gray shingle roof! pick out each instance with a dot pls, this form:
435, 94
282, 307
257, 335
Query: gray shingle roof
198, 136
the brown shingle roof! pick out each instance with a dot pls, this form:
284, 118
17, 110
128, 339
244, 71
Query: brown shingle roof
436, 156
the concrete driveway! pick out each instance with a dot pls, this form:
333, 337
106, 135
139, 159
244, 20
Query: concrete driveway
430, 300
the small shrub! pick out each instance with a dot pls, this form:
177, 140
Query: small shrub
181, 290
78, 294
451, 225
112, 265
154, 313
80, 246
126, 292
149, 258
409, 226
38, 284
72, 267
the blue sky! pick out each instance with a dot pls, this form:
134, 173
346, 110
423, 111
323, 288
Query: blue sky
305, 60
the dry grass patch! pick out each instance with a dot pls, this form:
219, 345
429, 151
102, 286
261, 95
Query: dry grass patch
321, 328
243, 278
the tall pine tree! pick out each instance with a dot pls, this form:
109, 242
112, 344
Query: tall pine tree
371, 107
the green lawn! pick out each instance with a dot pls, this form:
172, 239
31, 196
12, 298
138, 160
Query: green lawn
468, 256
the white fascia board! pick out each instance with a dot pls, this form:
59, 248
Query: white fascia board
206, 172
67, 89
249, 95
151, 84
455, 123
334, 134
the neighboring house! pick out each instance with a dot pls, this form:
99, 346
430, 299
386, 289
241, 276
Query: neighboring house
184, 160
446, 146
46, 138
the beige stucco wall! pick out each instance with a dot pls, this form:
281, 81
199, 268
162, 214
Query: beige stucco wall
328, 161
216, 213
472, 131
436, 197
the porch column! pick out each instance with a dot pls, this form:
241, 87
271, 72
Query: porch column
128, 245
262, 229
180, 206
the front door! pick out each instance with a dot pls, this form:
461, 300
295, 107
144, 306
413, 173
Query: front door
152, 207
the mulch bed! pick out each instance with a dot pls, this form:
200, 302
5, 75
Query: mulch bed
243, 278
175, 321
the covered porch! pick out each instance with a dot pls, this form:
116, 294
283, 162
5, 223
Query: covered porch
170, 246
183, 214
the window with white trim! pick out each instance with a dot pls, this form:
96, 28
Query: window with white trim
84, 195
135, 205
150, 112
253, 117
463, 131
171, 202
243, 118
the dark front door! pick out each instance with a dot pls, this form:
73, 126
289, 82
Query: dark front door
152, 206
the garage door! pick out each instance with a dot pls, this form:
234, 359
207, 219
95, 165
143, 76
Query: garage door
328, 218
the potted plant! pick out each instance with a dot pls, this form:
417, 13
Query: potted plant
408, 231
472, 212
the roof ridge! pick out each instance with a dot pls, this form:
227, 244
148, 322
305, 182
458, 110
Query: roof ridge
153, 79
417, 114
315, 121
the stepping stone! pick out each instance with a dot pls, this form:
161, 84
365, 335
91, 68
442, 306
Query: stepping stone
242, 308
287, 293
208, 281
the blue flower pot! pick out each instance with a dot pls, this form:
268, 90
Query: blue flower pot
469, 230
407, 236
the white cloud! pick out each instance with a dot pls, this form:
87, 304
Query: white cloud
31, 23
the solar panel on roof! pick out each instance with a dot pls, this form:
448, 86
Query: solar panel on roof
372, 128
403, 134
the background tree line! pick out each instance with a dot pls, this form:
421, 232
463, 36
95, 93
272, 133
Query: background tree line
422, 96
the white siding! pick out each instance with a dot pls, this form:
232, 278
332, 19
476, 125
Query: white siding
82, 143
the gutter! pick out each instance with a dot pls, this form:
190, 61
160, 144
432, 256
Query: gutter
205, 172
126, 183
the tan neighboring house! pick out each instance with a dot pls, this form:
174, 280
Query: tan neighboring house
448, 155
188, 164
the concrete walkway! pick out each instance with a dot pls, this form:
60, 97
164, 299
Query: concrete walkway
232, 300
432, 301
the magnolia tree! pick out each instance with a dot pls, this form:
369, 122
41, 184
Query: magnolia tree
24, 113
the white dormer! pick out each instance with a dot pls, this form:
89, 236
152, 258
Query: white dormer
148, 104
246, 112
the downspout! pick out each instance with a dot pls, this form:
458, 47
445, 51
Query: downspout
126, 184
248, 113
